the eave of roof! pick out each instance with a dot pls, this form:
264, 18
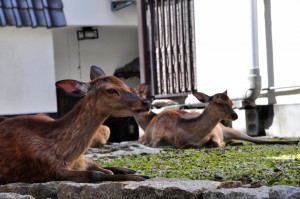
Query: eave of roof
32, 13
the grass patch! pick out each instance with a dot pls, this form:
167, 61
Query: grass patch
252, 164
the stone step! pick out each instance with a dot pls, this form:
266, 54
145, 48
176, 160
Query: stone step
160, 188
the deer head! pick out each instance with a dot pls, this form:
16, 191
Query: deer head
220, 104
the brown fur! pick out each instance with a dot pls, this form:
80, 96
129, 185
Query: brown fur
2, 118
37, 149
101, 136
187, 130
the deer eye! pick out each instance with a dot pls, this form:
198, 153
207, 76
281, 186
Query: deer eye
111, 91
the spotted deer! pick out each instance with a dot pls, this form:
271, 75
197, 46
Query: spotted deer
37, 149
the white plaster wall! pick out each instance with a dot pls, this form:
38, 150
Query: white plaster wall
97, 12
286, 49
286, 42
224, 51
115, 47
27, 75
286, 121
223, 46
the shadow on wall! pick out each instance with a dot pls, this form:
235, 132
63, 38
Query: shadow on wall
265, 118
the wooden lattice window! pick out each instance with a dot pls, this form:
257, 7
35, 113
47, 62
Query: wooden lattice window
171, 43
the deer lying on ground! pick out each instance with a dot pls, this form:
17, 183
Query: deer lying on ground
35, 149
181, 129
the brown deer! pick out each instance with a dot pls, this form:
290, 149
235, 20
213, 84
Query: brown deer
143, 118
183, 130
194, 130
101, 136
37, 149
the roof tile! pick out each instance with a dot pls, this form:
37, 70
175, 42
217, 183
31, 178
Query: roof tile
32, 13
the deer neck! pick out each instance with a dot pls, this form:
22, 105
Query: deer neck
76, 130
144, 118
201, 125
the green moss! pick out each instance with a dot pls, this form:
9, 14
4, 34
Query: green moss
252, 164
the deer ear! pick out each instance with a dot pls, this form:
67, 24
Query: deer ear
143, 88
96, 72
202, 97
73, 88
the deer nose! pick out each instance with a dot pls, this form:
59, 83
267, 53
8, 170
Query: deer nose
146, 103
234, 116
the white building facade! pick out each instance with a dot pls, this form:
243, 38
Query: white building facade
236, 40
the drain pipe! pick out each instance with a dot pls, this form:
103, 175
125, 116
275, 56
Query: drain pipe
254, 73
252, 117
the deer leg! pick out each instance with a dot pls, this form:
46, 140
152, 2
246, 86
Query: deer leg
196, 145
107, 170
161, 141
216, 141
120, 170
110, 170
95, 167
155, 142
94, 176
232, 143
83, 163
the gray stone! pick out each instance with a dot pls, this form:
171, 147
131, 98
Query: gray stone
284, 192
238, 193
120, 149
164, 188
154, 188
37, 190
14, 196
87, 190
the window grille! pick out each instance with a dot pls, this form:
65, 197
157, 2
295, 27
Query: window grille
171, 43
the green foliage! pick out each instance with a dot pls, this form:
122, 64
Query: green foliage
252, 164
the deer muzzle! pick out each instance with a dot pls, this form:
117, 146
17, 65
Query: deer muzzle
233, 116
